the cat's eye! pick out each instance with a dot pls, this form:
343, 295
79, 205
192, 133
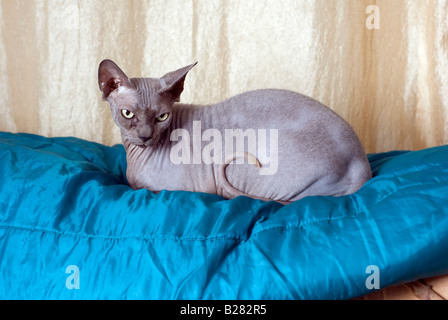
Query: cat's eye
162, 117
127, 114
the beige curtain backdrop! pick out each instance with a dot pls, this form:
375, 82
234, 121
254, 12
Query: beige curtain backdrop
390, 84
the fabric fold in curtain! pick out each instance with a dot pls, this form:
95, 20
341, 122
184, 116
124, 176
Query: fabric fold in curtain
390, 84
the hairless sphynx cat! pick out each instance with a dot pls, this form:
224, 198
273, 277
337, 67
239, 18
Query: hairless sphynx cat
266, 144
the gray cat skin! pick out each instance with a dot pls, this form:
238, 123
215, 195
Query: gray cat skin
266, 144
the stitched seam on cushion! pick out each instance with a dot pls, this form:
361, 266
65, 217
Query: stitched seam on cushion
123, 237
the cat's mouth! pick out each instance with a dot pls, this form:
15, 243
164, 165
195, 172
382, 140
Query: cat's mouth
146, 144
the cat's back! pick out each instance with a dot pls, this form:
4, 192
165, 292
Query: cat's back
271, 97
273, 107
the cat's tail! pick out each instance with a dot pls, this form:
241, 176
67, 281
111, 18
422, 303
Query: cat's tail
231, 191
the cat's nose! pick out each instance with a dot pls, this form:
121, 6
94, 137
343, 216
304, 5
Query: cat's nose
144, 139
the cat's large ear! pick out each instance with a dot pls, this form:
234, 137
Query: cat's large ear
173, 82
111, 77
